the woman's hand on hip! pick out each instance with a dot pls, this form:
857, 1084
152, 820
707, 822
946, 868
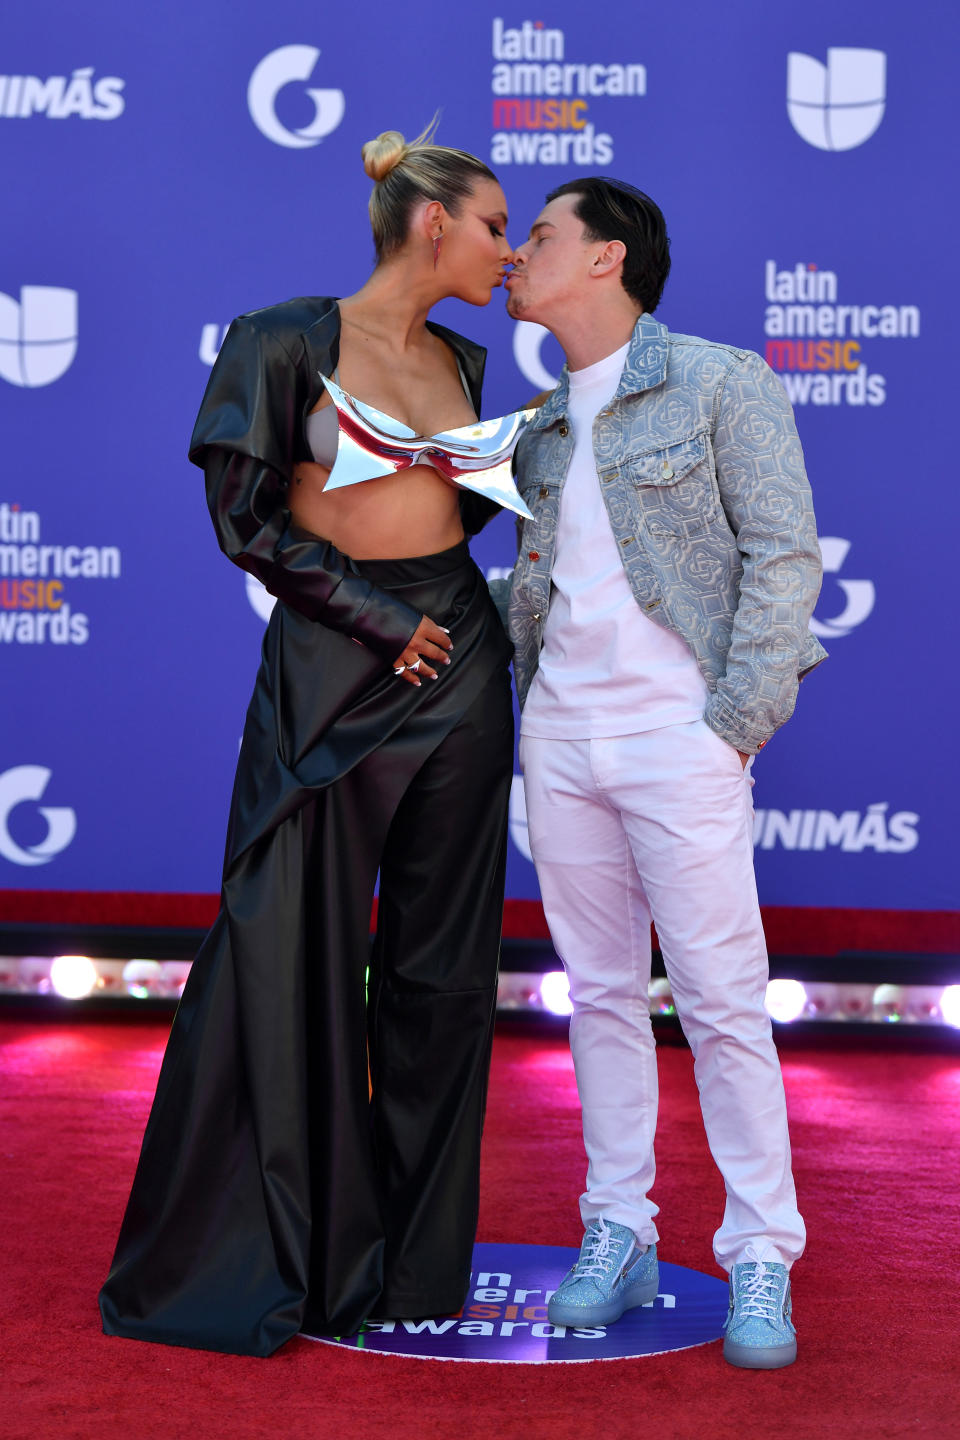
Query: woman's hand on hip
428, 642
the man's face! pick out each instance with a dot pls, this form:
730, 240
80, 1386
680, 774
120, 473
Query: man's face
552, 268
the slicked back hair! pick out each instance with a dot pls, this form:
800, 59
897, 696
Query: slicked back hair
406, 174
612, 210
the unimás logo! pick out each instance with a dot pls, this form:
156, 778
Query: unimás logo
851, 831
38, 334
860, 595
61, 96
289, 65
839, 105
20, 786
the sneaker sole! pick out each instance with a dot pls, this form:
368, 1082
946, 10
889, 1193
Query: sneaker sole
574, 1315
759, 1357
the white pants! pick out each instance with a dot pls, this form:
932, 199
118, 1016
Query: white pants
661, 824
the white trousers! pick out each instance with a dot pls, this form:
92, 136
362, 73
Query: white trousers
660, 825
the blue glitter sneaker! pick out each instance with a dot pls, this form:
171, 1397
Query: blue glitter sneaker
759, 1332
613, 1274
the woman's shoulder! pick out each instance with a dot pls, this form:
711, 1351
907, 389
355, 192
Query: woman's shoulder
277, 349
291, 318
472, 358
459, 343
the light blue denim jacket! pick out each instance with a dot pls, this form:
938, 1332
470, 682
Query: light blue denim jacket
702, 473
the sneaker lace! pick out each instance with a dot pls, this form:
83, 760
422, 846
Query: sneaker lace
759, 1296
595, 1257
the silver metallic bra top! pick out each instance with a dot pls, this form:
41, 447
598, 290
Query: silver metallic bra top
370, 444
323, 425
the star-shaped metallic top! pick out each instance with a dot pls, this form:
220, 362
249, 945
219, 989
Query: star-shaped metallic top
475, 457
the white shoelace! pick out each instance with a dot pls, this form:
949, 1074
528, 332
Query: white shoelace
597, 1260
758, 1297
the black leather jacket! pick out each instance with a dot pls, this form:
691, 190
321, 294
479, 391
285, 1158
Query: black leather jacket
249, 436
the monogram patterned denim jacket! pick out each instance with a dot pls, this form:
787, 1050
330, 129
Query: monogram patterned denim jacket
703, 477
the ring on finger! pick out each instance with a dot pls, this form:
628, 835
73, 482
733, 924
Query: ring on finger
414, 666
399, 669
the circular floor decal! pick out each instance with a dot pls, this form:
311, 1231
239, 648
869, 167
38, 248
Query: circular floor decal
504, 1317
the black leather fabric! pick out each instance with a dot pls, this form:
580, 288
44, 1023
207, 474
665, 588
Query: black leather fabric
250, 434
275, 1190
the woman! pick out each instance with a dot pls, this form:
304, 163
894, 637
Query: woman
282, 1185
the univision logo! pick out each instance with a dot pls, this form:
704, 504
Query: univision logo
38, 334
839, 105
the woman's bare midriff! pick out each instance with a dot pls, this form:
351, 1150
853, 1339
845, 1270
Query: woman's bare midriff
414, 512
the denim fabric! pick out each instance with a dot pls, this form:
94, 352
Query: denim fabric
702, 473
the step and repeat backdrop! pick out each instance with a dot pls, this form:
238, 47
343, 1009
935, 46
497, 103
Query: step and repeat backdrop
165, 169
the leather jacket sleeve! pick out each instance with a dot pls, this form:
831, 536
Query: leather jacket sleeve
766, 498
246, 442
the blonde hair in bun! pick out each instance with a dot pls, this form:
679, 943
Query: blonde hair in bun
380, 155
405, 175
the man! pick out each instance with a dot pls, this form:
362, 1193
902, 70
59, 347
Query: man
659, 610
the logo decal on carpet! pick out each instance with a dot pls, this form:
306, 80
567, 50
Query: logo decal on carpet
504, 1317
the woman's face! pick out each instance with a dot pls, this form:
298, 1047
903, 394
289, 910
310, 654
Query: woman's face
474, 252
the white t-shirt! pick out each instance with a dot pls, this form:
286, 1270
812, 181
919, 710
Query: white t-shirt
605, 667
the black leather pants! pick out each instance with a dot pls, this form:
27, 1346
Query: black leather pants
279, 1188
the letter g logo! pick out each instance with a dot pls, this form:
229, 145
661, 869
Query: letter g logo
282, 67
527, 341
28, 782
860, 594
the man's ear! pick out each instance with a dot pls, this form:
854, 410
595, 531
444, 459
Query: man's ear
613, 254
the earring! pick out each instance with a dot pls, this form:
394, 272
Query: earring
436, 248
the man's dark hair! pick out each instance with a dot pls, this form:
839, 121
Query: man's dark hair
612, 210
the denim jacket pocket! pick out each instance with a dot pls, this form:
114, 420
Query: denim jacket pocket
676, 487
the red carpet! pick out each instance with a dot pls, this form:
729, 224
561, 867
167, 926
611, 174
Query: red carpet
876, 1140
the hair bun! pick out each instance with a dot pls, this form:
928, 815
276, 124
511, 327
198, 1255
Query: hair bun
382, 154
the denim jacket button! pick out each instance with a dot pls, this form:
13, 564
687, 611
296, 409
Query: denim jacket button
564, 431
544, 492
667, 472
533, 555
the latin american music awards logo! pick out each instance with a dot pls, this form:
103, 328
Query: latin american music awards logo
504, 1317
